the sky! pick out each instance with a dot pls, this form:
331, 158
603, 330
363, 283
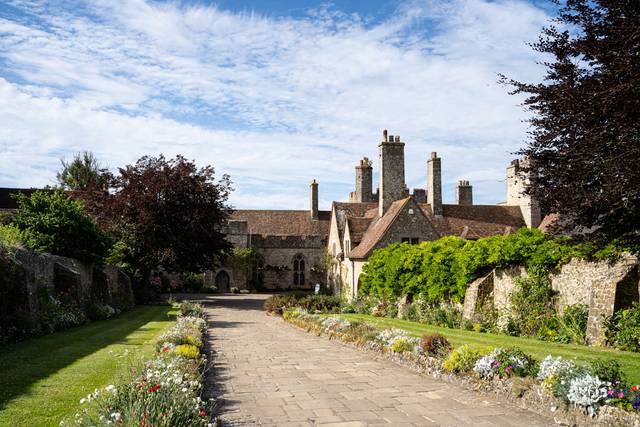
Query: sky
273, 93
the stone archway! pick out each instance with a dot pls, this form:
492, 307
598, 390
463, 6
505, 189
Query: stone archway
223, 281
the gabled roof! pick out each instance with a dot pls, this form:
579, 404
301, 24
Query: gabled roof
377, 229
357, 228
469, 222
284, 222
346, 210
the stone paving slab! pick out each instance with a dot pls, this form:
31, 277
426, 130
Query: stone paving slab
269, 373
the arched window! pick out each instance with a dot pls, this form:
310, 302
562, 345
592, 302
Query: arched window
298, 270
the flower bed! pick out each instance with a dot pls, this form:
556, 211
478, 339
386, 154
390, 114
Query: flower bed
165, 391
570, 393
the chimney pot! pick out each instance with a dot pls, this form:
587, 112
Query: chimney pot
384, 135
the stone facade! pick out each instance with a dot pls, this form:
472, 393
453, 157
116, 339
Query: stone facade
517, 183
604, 287
352, 230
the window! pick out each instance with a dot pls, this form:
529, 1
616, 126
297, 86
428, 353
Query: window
298, 270
411, 240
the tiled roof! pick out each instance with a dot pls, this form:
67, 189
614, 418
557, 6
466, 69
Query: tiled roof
476, 221
352, 210
469, 222
357, 228
284, 222
377, 229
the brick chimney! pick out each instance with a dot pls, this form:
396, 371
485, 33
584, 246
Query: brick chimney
434, 184
314, 200
464, 193
391, 186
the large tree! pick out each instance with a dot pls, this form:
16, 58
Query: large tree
83, 173
584, 146
169, 214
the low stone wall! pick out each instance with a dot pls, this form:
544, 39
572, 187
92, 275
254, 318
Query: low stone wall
603, 286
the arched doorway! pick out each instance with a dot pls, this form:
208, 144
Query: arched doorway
222, 281
298, 270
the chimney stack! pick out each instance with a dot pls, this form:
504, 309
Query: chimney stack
314, 200
364, 181
391, 186
434, 184
464, 193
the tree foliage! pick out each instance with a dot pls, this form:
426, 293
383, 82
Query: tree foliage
83, 173
169, 214
584, 148
50, 221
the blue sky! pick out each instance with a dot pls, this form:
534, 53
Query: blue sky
274, 93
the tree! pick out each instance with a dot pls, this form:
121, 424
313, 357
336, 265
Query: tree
52, 222
584, 146
83, 173
169, 214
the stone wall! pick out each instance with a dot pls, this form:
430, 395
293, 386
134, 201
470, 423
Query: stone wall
83, 280
603, 286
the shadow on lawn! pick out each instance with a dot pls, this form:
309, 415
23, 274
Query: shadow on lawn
22, 364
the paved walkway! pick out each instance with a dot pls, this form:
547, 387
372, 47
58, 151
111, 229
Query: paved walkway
270, 373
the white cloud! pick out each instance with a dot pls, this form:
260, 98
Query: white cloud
273, 102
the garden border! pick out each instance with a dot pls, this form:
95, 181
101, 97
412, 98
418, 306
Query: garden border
521, 392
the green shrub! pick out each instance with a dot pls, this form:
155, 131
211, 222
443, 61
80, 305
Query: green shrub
531, 305
402, 345
11, 236
276, 304
97, 310
52, 222
623, 328
312, 303
608, 370
435, 345
234, 290
522, 364
463, 358
573, 324
189, 308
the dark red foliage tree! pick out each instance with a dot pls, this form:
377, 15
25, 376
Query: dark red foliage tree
585, 140
169, 214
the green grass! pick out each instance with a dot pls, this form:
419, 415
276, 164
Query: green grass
630, 362
43, 379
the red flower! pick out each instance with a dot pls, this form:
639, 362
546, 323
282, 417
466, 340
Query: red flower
154, 388
166, 349
634, 388
203, 413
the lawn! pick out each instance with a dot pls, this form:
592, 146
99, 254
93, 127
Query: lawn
630, 362
43, 379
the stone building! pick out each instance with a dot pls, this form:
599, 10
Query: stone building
298, 247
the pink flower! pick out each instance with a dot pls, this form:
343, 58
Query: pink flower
611, 392
620, 395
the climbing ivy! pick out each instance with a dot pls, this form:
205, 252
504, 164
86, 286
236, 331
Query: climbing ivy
441, 270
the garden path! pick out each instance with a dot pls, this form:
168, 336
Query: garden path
267, 372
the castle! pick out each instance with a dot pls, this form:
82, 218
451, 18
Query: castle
300, 248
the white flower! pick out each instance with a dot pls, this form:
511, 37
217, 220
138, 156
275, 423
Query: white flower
83, 400
111, 388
